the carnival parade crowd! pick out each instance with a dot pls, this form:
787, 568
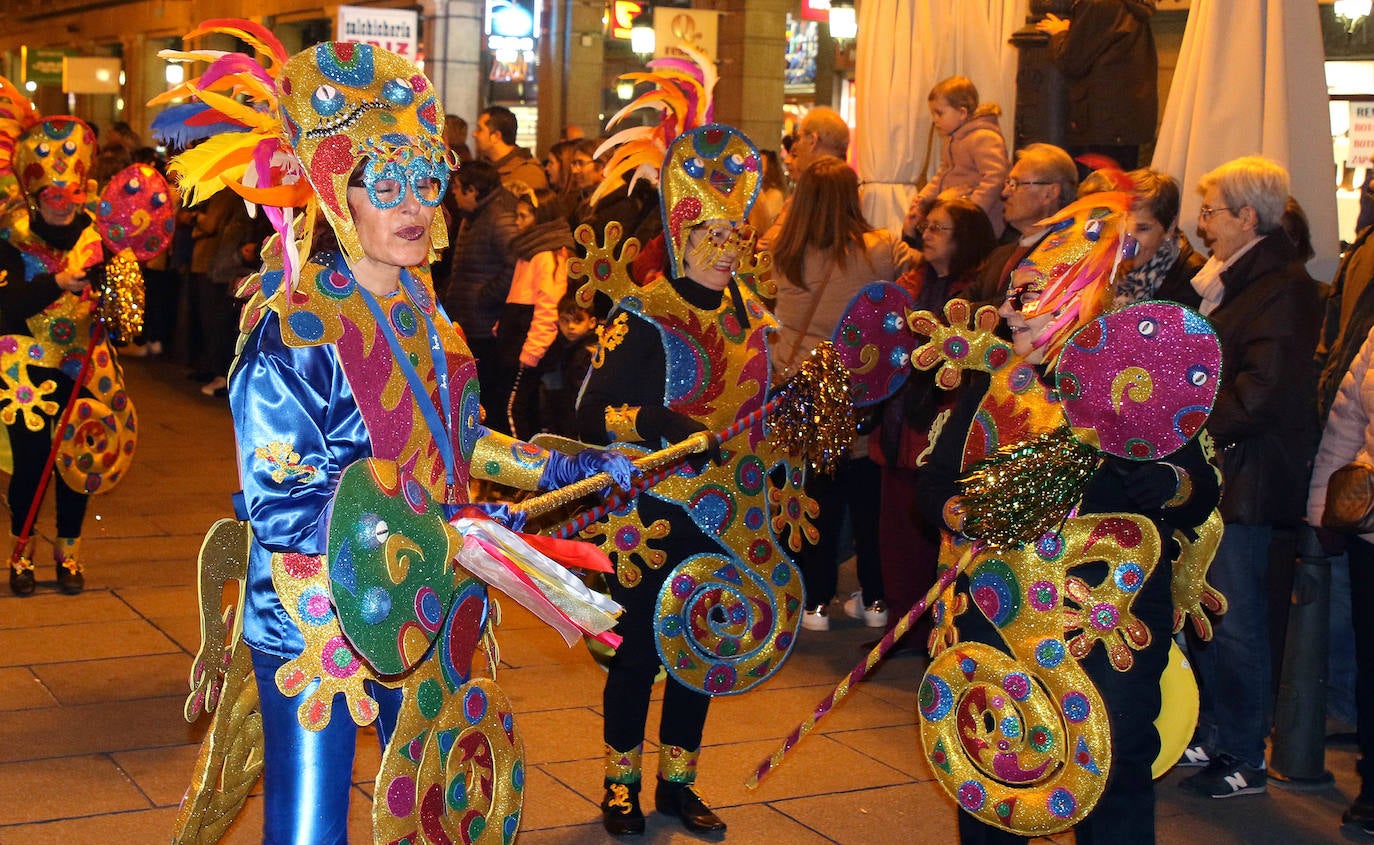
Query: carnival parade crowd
433, 351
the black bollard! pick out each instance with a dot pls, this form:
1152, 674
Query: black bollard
1298, 757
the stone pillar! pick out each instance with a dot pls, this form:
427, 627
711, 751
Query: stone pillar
455, 61
584, 65
752, 49
553, 52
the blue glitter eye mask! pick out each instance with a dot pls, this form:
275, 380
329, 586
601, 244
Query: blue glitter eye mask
388, 183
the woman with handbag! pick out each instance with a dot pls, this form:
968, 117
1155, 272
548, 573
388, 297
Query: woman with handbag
825, 253
1341, 473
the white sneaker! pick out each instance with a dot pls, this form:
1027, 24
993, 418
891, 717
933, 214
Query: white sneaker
816, 619
874, 615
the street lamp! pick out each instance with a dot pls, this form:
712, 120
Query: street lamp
642, 40
844, 23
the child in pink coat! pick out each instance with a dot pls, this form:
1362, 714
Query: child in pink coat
973, 160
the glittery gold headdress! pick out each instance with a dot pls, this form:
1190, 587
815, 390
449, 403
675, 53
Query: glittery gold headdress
344, 103
711, 173
56, 153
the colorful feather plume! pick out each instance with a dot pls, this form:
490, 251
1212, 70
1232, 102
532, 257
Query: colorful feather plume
17, 116
228, 122
682, 92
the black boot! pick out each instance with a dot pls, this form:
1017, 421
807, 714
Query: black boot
678, 799
620, 811
21, 580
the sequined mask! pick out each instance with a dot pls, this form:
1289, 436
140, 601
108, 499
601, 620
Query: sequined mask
723, 240
56, 153
710, 173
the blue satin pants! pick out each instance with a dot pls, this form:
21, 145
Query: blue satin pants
308, 774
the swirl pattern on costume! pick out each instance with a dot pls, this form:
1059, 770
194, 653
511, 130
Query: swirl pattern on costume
1144, 378
389, 553
719, 623
453, 770
1022, 740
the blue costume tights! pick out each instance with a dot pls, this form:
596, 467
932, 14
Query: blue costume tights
308, 774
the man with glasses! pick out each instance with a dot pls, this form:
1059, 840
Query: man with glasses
1042, 181
1267, 311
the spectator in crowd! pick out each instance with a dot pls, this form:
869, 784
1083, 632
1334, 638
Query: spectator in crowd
958, 236
1267, 312
566, 365
236, 256
973, 157
482, 267
1349, 437
206, 300
456, 136
558, 167
1164, 262
824, 254
529, 320
495, 139
161, 278
772, 194
635, 209
1106, 51
822, 132
1042, 181
571, 132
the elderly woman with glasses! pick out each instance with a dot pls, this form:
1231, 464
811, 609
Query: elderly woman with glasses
1267, 311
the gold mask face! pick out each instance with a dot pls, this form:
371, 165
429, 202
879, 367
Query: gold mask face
711, 173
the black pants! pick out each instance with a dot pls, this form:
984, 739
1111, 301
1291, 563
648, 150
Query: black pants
631, 679
854, 489
1361, 600
30, 450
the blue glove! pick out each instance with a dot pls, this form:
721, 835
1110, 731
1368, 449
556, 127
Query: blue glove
499, 511
564, 470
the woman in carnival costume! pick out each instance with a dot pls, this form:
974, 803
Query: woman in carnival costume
355, 407
53, 336
1079, 496
708, 592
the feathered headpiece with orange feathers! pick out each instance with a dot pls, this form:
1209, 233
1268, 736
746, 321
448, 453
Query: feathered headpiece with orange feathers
682, 91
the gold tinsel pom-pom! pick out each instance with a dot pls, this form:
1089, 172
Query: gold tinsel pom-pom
815, 418
1026, 489
118, 285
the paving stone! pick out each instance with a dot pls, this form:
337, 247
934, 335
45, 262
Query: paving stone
55, 732
162, 774
45, 609
20, 689
117, 679
64, 788
87, 641
122, 827
895, 815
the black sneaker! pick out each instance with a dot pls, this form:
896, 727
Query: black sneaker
1227, 777
1194, 756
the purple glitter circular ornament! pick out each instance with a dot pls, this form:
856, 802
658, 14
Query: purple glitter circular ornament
1143, 378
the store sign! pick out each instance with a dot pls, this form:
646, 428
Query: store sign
693, 27
90, 75
510, 27
815, 10
43, 67
1361, 133
397, 30
622, 17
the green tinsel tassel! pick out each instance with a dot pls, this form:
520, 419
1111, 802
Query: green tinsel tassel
1026, 489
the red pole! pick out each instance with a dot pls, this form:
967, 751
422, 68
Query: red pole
97, 333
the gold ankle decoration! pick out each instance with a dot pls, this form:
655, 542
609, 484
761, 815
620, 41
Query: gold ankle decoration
19, 560
624, 766
64, 553
676, 764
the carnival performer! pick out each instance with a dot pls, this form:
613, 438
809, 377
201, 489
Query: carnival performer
355, 406
47, 312
1027, 616
708, 592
